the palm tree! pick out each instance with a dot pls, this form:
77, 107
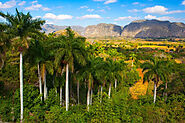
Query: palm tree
168, 67
67, 48
90, 72
112, 70
155, 71
22, 26
133, 57
35, 54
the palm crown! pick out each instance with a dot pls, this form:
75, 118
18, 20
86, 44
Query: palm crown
23, 25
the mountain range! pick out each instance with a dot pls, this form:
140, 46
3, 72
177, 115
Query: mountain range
136, 29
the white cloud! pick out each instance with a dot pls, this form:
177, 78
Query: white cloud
57, 17
161, 10
90, 17
110, 1
34, 2
156, 10
150, 17
176, 11
83, 7
163, 18
90, 10
50, 16
183, 2
138, 4
36, 6
106, 1
22, 3
135, 3
133, 10
8, 4
126, 18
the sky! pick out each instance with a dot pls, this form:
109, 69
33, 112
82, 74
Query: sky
92, 12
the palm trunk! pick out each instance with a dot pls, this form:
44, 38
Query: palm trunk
91, 96
115, 84
60, 95
67, 87
166, 86
40, 82
109, 89
44, 79
88, 98
101, 93
88, 94
78, 91
2, 65
155, 91
21, 85
53, 81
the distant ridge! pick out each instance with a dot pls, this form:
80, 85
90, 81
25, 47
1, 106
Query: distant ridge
136, 29
49, 28
103, 30
153, 29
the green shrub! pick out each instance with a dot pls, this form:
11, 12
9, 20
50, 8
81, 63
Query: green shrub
52, 99
53, 115
6, 110
31, 98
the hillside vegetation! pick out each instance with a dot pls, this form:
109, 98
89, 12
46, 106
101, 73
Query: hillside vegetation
64, 77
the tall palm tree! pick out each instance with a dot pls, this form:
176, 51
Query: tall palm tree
113, 69
90, 72
154, 71
22, 26
36, 55
169, 68
67, 48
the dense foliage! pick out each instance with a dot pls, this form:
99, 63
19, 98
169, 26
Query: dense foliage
93, 79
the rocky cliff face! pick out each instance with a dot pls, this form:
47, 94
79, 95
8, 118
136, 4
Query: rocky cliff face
153, 29
103, 30
136, 29
49, 28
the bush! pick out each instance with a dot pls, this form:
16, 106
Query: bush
6, 110
31, 98
52, 99
53, 115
